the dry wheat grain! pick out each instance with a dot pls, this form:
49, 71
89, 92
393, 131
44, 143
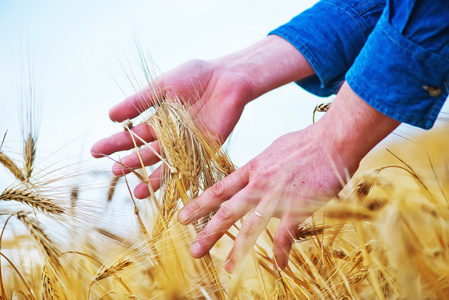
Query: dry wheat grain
32, 199
37, 232
11, 166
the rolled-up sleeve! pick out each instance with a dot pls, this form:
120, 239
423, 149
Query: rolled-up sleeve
330, 35
403, 69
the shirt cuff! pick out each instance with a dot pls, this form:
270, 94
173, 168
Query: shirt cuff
330, 35
399, 78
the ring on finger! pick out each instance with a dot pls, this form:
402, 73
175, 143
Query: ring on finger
259, 215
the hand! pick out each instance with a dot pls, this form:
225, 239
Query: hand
217, 90
217, 94
291, 178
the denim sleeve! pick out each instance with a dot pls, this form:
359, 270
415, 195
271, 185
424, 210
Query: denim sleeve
403, 69
330, 35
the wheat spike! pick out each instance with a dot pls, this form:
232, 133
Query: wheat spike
305, 231
29, 155
359, 276
113, 269
48, 287
74, 193
114, 237
112, 186
11, 166
32, 199
323, 107
169, 205
37, 232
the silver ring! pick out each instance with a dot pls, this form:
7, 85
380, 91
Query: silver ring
259, 215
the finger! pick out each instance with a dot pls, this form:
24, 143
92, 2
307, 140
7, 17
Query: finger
283, 240
122, 141
250, 230
213, 197
141, 191
134, 105
229, 213
132, 161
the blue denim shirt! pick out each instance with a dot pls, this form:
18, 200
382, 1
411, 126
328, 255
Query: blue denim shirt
394, 55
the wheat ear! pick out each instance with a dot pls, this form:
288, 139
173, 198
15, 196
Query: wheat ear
11, 166
29, 155
112, 186
109, 270
37, 232
31, 199
48, 287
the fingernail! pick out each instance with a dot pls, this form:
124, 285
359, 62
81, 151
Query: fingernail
229, 266
183, 217
195, 249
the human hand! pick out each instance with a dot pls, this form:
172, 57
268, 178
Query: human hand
216, 91
291, 178
216, 94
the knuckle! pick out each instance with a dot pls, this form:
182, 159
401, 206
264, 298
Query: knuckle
251, 166
247, 227
217, 190
224, 213
282, 239
195, 65
257, 183
206, 235
192, 209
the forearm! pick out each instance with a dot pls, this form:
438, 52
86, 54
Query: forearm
267, 65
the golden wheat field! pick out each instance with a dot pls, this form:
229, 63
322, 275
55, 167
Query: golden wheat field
386, 235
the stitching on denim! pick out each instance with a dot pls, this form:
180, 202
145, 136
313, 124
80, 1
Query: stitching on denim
373, 3
361, 10
350, 15
387, 109
381, 26
432, 110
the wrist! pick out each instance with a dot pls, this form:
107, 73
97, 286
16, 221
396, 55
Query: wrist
351, 128
267, 65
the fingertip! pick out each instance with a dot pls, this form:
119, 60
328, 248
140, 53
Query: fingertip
95, 153
283, 242
196, 250
96, 150
119, 170
229, 266
103, 147
135, 104
113, 114
183, 217
141, 191
279, 263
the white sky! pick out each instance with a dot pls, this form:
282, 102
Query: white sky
75, 45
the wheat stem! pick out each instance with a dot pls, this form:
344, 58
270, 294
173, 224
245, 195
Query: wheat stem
20, 275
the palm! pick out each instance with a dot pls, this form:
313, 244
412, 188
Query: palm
216, 95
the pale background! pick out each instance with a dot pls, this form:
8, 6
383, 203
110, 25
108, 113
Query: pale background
75, 49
